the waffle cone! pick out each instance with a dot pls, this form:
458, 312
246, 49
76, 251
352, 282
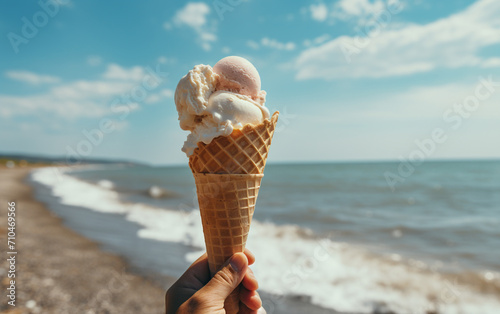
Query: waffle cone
228, 172
244, 151
227, 203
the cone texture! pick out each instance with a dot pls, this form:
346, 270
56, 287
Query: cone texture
244, 151
227, 203
228, 172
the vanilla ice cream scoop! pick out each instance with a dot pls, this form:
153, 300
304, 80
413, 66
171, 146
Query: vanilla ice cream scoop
192, 93
235, 109
214, 102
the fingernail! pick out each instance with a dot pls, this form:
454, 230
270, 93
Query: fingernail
257, 296
251, 274
237, 262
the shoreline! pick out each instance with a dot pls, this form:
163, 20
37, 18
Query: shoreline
75, 250
60, 271
158, 242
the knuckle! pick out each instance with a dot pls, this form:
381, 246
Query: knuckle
191, 305
171, 293
168, 296
224, 277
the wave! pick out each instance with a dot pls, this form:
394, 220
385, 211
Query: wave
292, 261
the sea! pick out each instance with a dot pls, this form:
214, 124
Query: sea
341, 237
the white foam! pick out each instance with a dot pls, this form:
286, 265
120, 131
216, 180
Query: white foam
156, 192
72, 191
106, 184
292, 262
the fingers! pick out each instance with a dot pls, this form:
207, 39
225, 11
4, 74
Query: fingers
249, 281
212, 292
226, 279
248, 295
250, 298
198, 272
250, 256
195, 277
245, 310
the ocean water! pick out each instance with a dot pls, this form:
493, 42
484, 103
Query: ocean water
335, 235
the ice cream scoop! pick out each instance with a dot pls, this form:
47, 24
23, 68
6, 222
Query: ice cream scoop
238, 72
238, 75
214, 102
192, 93
235, 109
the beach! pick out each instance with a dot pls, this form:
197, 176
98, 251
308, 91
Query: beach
112, 238
59, 271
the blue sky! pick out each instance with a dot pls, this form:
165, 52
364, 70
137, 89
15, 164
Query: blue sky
353, 79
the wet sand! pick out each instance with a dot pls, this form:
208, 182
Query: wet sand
59, 271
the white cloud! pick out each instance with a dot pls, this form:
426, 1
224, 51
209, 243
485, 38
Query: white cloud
117, 72
316, 41
252, 44
273, 43
89, 89
431, 102
67, 108
386, 125
65, 3
94, 60
31, 78
82, 98
120, 125
165, 60
450, 42
358, 11
362, 11
319, 12
195, 16
359, 7
491, 63
157, 97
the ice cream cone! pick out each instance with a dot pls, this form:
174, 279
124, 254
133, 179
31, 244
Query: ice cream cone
244, 151
228, 173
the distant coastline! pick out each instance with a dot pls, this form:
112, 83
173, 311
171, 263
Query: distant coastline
11, 160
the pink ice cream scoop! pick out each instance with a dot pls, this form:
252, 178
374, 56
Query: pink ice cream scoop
238, 75
214, 101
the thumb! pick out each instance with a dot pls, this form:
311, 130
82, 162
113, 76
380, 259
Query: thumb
225, 280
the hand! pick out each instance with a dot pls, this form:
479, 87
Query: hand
195, 292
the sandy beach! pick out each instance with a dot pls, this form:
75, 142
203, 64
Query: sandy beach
59, 271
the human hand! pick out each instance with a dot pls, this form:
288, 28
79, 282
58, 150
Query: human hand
196, 292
